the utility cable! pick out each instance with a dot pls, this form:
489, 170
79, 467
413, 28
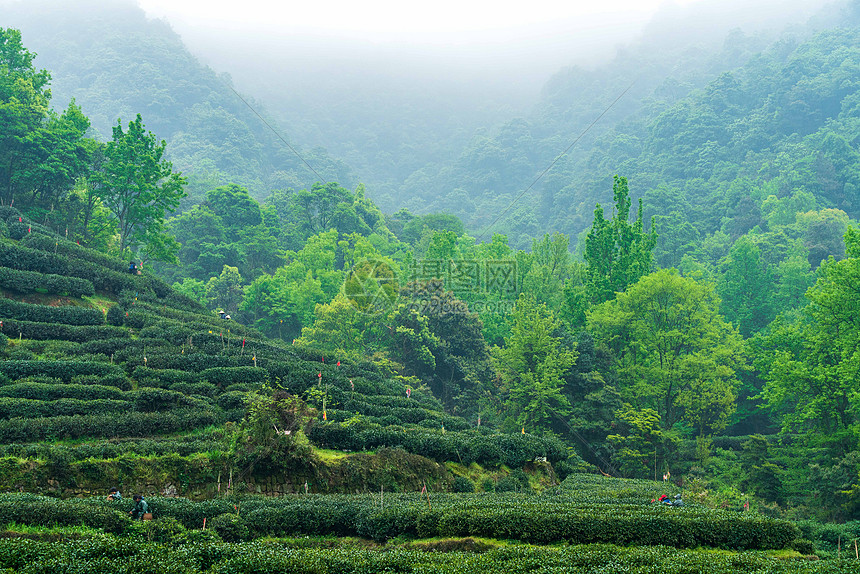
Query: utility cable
274, 131
561, 155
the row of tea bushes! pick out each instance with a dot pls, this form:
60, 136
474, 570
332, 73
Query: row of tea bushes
63, 370
58, 331
107, 426
26, 259
130, 555
513, 450
532, 519
23, 281
104, 449
67, 314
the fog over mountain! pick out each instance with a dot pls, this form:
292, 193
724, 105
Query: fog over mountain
375, 95
398, 94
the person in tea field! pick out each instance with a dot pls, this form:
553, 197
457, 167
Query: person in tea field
140, 508
114, 495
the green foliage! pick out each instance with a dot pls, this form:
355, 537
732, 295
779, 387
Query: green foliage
746, 288
533, 364
28, 281
137, 184
808, 360
617, 252
230, 527
673, 351
641, 448
68, 315
513, 450
463, 484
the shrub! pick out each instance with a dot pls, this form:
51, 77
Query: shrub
163, 529
68, 314
63, 370
230, 527
223, 376
79, 334
24, 281
115, 316
463, 484
107, 426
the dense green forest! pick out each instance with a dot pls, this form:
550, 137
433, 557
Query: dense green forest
681, 302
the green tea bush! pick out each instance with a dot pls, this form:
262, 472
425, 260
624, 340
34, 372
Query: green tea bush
224, 376
513, 450
526, 518
103, 279
34, 330
23, 281
29, 408
163, 529
70, 248
43, 511
164, 377
201, 389
52, 392
463, 484
107, 426
230, 527
68, 314
63, 370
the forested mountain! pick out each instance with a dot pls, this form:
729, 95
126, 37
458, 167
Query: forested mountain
115, 63
695, 121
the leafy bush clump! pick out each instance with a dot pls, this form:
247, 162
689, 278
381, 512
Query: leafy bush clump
463, 484
230, 527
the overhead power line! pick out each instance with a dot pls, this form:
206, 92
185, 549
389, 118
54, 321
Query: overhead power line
550, 166
274, 131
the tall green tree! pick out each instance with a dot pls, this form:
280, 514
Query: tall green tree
673, 351
617, 253
225, 291
139, 186
811, 361
24, 99
747, 288
42, 152
532, 365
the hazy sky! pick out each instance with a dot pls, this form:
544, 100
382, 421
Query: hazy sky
381, 21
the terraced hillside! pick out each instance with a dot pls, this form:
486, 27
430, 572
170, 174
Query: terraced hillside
113, 379
586, 524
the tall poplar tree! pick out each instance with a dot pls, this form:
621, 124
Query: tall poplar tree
617, 253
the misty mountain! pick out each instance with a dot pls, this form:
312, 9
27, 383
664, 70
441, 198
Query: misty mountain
430, 141
657, 77
115, 62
